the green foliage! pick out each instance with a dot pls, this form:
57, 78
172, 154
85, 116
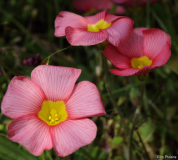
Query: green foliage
28, 28
10, 150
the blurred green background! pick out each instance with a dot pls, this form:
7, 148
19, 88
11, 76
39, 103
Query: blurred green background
27, 29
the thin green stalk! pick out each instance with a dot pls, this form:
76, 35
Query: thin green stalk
136, 114
148, 14
47, 58
107, 83
140, 138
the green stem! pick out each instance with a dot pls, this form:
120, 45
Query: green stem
148, 14
136, 114
148, 158
47, 58
107, 83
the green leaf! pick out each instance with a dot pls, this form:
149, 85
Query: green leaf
10, 150
117, 140
146, 131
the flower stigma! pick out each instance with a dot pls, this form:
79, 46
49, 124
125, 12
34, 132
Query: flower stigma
53, 112
97, 26
140, 62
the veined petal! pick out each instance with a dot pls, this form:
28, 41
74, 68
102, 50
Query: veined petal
57, 83
85, 101
131, 71
116, 58
144, 70
154, 41
65, 19
162, 58
82, 37
111, 18
133, 47
32, 133
124, 72
23, 97
70, 135
95, 18
119, 31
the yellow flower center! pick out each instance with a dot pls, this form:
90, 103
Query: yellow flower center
53, 112
97, 26
141, 62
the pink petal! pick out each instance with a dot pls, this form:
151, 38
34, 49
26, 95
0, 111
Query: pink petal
133, 47
70, 135
32, 133
111, 18
85, 101
65, 19
131, 71
82, 37
23, 97
119, 31
154, 41
124, 72
97, 17
56, 82
144, 70
116, 58
162, 58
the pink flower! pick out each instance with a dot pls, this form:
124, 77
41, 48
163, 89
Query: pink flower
49, 110
92, 30
145, 50
86, 6
131, 3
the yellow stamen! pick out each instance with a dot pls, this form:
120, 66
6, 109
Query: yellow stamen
53, 112
140, 62
97, 26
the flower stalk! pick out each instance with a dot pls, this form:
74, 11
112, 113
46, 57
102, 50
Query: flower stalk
136, 114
